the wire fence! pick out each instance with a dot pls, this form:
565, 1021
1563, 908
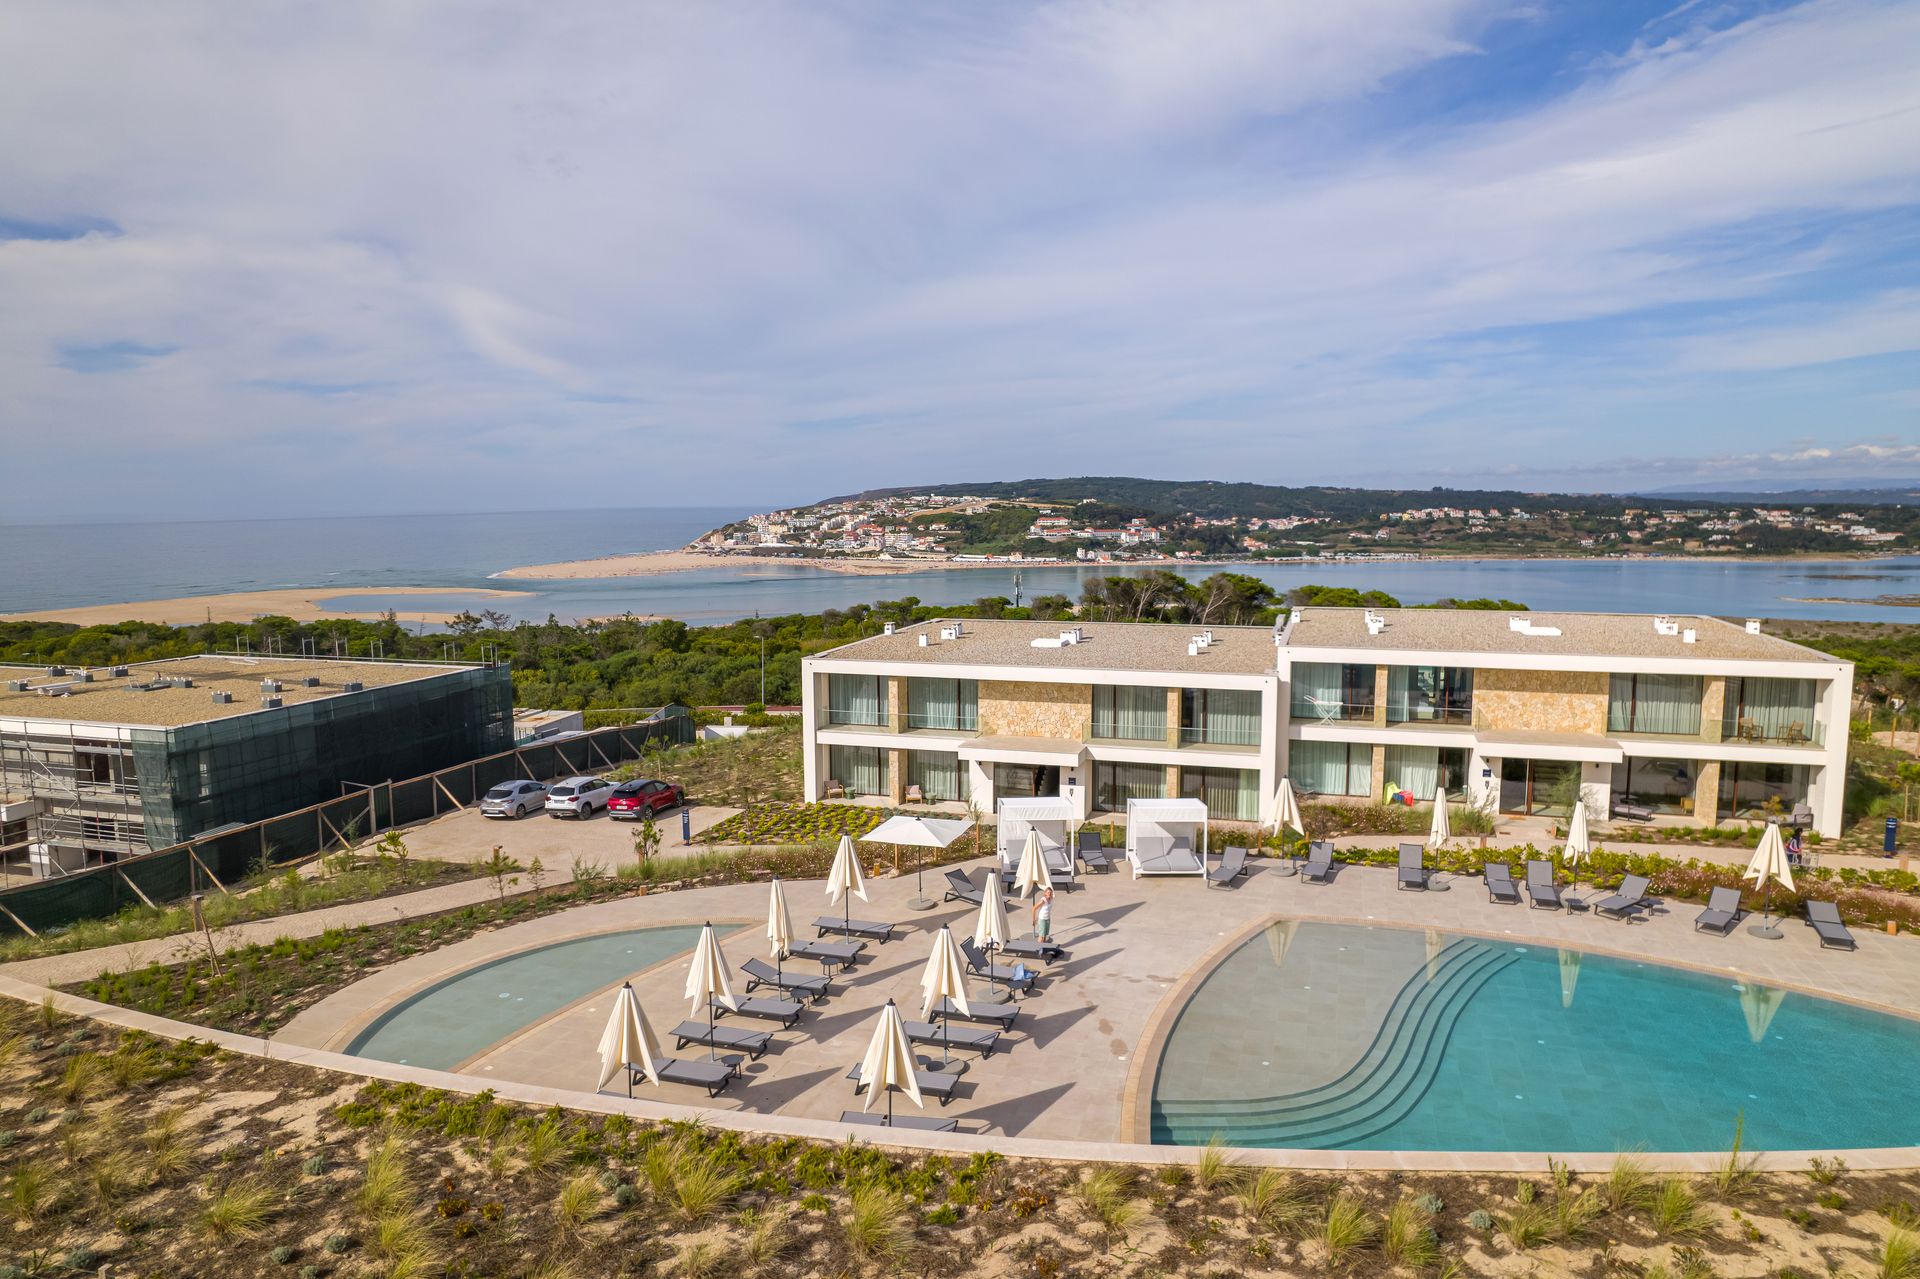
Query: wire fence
211, 860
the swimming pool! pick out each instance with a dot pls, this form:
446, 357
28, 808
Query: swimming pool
1341, 1037
453, 1020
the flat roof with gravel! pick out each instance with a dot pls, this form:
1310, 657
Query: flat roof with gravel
140, 699
1107, 646
1451, 630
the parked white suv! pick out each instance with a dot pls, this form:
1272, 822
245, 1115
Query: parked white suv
514, 799
578, 796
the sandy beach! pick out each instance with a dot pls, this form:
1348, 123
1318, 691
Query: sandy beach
302, 604
655, 563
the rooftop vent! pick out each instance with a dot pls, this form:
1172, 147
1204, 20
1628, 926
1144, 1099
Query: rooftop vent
1664, 625
923, 639
352, 686
220, 698
119, 671
1753, 626
56, 670
85, 677
1375, 622
269, 703
269, 685
887, 629
17, 686
181, 681
1689, 636
1525, 626
311, 681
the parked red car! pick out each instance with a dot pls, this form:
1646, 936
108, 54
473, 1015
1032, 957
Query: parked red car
636, 799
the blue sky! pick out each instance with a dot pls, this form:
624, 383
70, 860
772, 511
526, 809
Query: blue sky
366, 257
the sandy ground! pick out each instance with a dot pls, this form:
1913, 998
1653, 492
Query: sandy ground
302, 604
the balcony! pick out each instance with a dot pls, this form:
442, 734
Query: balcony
1339, 711
1796, 732
937, 725
1459, 715
1235, 740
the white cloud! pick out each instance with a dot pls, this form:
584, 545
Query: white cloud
786, 248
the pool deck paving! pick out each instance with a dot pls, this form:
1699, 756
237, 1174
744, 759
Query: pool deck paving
1077, 1065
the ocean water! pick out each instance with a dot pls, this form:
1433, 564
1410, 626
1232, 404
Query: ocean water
52, 566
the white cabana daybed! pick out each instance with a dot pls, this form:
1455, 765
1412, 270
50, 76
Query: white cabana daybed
1166, 837
1052, 818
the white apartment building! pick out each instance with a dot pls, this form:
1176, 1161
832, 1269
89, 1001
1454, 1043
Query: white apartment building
1683, 720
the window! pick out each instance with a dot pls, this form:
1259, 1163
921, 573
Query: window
1663, 785
952, 704
1761, 790
1219, 717
1769, 710
1115, 784
1331, 691
1230, 794
1423, 770
1025, 781
1129, 714
1667, 704
861, 769
855, 699
1430, 694
1331, 768
940, 777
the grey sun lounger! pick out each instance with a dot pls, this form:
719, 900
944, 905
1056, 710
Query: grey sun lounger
1033, 948
980, 1010
1721, 914
980, 966
784, 1011
926, 1032
1233, 864
1500, 885
1093, 852
714, 1076
1319, 864
760, 973
1631, 897
1541, 890
830, 954
1413, 867
1824, 919
961, 888
919, 1123
854, 928
750, 1042
932, 1083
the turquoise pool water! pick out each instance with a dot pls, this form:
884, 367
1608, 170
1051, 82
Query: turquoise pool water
1325, 1036
447, 1023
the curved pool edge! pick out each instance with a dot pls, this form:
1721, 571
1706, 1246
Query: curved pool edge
1880, 1159
1137, 1098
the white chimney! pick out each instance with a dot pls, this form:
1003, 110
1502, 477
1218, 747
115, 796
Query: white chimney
887, 629
923, 639
1688, 636
1753, 626
1193, 648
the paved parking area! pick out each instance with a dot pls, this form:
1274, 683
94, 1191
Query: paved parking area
1072, 1065
559, 842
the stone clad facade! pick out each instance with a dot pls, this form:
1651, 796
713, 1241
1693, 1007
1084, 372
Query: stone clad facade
1540, 701
1010, 709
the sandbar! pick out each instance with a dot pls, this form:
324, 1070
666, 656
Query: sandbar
302, 604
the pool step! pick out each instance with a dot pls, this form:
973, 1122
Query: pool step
1386, 1082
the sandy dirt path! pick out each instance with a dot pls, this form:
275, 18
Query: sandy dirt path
302, 604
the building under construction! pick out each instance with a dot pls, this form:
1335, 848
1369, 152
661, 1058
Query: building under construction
106, 762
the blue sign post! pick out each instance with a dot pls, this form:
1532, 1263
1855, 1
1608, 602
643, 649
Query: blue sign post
1893, 834
686, 826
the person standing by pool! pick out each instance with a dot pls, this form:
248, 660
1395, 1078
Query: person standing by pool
1043, 915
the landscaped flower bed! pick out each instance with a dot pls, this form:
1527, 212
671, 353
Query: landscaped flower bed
795, 824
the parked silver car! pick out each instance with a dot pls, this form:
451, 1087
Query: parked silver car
514, 799
578, 796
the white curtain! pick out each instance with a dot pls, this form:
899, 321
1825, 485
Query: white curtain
854, 699
1317, 680
938, 775
1331, 768
1229, 793
1115, 784
1223, 716
1779, 709
1413, 768
1401, 686
943, 703
1654, 704
861, 769
1130, 713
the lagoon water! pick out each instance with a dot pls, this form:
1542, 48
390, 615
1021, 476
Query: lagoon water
50, 566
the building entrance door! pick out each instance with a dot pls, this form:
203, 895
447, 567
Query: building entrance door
1538, 787
1025, 781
